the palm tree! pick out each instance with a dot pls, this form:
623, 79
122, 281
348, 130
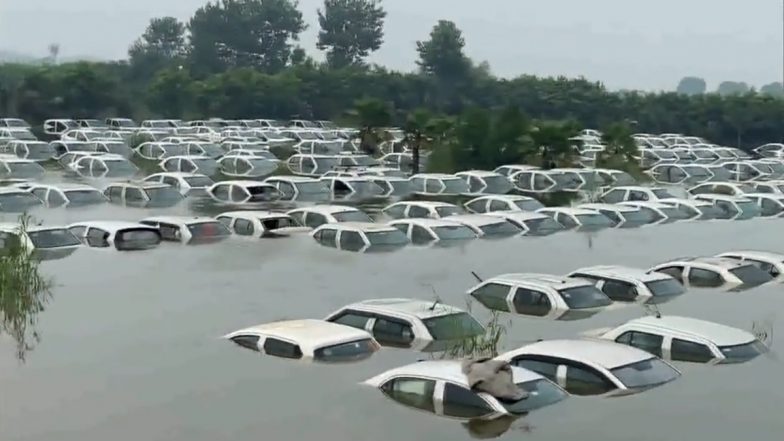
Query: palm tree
423, 130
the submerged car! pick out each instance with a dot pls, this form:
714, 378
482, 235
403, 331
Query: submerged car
67, 195
12, 167
243, 192
409, 323
307, 340
441, 387
485, 182
714, 272
261, 223
732, 207
686, 339
541, 295
41, 242
103, 165
634, 194
658, 211
437, 184
300, 188
434, 231
142, 194
590, 367
488, 226
770, 204
360, 237
34, 150
123, 236
694, 209
771, 263
493, 203
316, 215
622, 216
188, 229
17, 200
311, 165
421, 209
236, 166
625, 284
578, 218
185, 183
530, 224
190, 164
352, 187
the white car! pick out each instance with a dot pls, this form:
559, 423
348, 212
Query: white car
685, 339
622, 216
41, 242
441, 387
578, 218
123, 236
660, 212
541, 295
12, 167
391, 186
492, 203
246, 166
635, 193
190, 164
725, 188
188, 229
307, 340
549, 181
421, 209
529, 223
185, 183
732, 207
311, 165
243, 192
67, 195
626, 284
771, 263
694, 209
488, 226
510, 170
592, 367
775, 187
142, 194
103, 165
438, 184
352, 187
434, 231
35, 150
360, 237
157, 151
315, 216
770, 204
410, 323
485, 182
713, 272
300, 188
261, 223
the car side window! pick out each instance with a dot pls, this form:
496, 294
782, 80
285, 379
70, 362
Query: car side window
416, 211
477, 206
498, 206
133, 195
280, 348
78, 231
637, 196
396, 211
642, 340
493, 296
238, 193
475, 184
420, 235
226, 221
393, 332
97, 238
247, 341
705, 278
531, 302
769, 208
676, 272
614, 196
414, 392
682, 350
243, 227
433, 186
315, 220
541, 182
169, 231
221, 192
618, 290
352, 318
328, 236
584, 380
351, 241
565, 220
287, 189
461, 402
114, 193
168, 180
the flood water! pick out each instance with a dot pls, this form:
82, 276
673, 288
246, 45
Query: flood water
130, 345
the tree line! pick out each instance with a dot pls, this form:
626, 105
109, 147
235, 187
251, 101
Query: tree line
243, 59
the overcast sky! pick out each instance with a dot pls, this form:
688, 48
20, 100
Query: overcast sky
624, 43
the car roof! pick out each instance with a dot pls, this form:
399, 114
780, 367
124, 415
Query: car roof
477, 219
308, 333
551, 280
721, 197
428, 204
611, 271
427, 222
292, 179
421, 309
326, 209
503, 197
719, 334
613, 207
178, 175
636, 188
721, 262
479, 173
649, 204
367, 227
687, 202
180, 219
110, 225
520, 216
245, 183
568, 210
609, 355
255, 214
435, 176
448, 370
761, 255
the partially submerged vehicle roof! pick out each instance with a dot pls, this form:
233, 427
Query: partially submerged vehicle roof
721, 262
244, 183
687, 202
520, 216
609, 207
15, 227
255, 214
435, 176
557, 282
428, 222
717, 333
111, 225
326, 209
575, 211
760, 255
477, 173
65, 186
180, 219
421, 309
503, 197
292, 179
649, 204
141, 184
308, 333
428, 204
611, 271
447, 370
722, 197
477, 219
367, 227
609, 355
178, 175
637, 188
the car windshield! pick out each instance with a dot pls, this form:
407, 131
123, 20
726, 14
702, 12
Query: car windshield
315, 187
126, 123
457, 326
53, 238
662, 193
389, 237
674, 213
645, 374
352, 216
500, 229
454, 232
23, 135
594, 220
637, 216
366, 188
583, 297
401, 188
120, 168
541, 393
749, 208
18, 201
325, 164
163, 194
665, 287
137, 239
709, 212
497, 184
24, 169
85, 197
13, 122
567, 181
543, 226
696, 171
345, 352
528, 204
208, 229
751, 275
198, 181
447, 210
720, 174
454, 186
744, 352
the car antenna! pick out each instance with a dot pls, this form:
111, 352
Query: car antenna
435, 296
476, 276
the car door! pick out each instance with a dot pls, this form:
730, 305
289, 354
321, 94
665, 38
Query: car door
390, 331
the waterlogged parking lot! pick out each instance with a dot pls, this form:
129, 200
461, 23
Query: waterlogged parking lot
130, 343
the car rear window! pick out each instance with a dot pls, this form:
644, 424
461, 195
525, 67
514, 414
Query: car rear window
751, 275
345, 352
665, 288
583, 297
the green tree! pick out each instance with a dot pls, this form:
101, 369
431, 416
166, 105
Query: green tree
424, 131
371, 114
350, 30
244, 33
442, 54
552, 140
170, 93
692, 86
732, 88
161, 45
620, 149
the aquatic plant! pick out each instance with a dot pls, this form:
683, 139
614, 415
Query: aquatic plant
24, 291
484, 345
